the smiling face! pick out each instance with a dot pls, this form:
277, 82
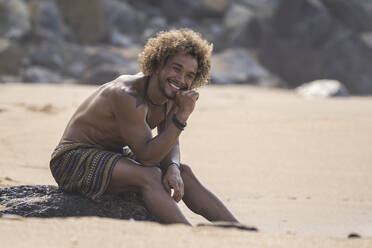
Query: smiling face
178, 73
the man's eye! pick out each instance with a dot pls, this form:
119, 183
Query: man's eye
176, 69
190, 77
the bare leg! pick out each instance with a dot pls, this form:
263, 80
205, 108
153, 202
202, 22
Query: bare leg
201, 201
127, 176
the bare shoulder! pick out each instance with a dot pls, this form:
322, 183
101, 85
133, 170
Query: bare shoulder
126, 94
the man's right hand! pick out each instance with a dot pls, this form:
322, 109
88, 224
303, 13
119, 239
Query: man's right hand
186, 100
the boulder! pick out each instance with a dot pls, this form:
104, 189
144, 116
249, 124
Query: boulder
106, 73
121, 17
323, 88
200, 9
48, 23
356, 15
238, 66
37, 74
65, 58
304, 42
238, 21
14, 19
86, 18
12, 56
49, 201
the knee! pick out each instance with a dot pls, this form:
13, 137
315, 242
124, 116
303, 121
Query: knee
186, 170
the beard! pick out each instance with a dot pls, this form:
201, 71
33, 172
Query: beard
163, 91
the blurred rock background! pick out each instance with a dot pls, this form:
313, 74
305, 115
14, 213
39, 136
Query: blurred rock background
272, 43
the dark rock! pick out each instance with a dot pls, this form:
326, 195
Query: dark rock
65, 58
353, 236
237, 22
121, 17
14, 19
12, 56
154, 25
238, 66
173, 10
105, 73
116, 38
49, 201
304, 42
100, 75
37, 74
47, 22
245, 19
106, 56
86, 18
353, 14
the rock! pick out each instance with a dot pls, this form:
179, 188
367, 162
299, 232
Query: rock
245, 20
48, 23
352, 14
323, 89
262, 8
107, 64
86, 18
106, 56
238, 66
37, 74
12, 56
14, 19
10, 79
200, 9
49, 201
214, 7
121, 17
65, 58
101, 75
238, 21
303, 42
367, 39
354, 236
121, 40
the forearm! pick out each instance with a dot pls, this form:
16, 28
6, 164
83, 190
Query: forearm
172, 157
161, 148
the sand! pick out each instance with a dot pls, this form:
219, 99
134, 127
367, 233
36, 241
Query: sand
298, 169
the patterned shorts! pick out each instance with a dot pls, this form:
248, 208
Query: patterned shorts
83, 168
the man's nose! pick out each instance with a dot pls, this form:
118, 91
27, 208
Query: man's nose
181, 78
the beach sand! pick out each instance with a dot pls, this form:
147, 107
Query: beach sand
300, 170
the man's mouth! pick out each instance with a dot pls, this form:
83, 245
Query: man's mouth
173, 85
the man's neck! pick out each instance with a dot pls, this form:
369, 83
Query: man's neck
153, 92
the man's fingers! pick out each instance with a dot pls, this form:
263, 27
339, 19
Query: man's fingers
177, 193
166, 186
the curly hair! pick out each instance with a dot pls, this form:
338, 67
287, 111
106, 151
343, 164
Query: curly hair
166, 44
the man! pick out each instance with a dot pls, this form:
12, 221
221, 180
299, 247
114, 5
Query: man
122, 113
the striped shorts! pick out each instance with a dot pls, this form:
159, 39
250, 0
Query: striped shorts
83, 168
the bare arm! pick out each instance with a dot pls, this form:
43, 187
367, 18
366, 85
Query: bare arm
130, 114
174, 155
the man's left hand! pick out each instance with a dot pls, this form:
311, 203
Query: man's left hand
173, 180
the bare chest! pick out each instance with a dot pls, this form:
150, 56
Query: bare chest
156, 115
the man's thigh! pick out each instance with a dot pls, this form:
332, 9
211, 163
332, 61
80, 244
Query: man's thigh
128, 175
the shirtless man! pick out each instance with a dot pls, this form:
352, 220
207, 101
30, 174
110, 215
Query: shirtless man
89, 158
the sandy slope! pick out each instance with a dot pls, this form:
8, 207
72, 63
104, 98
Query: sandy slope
299, 170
